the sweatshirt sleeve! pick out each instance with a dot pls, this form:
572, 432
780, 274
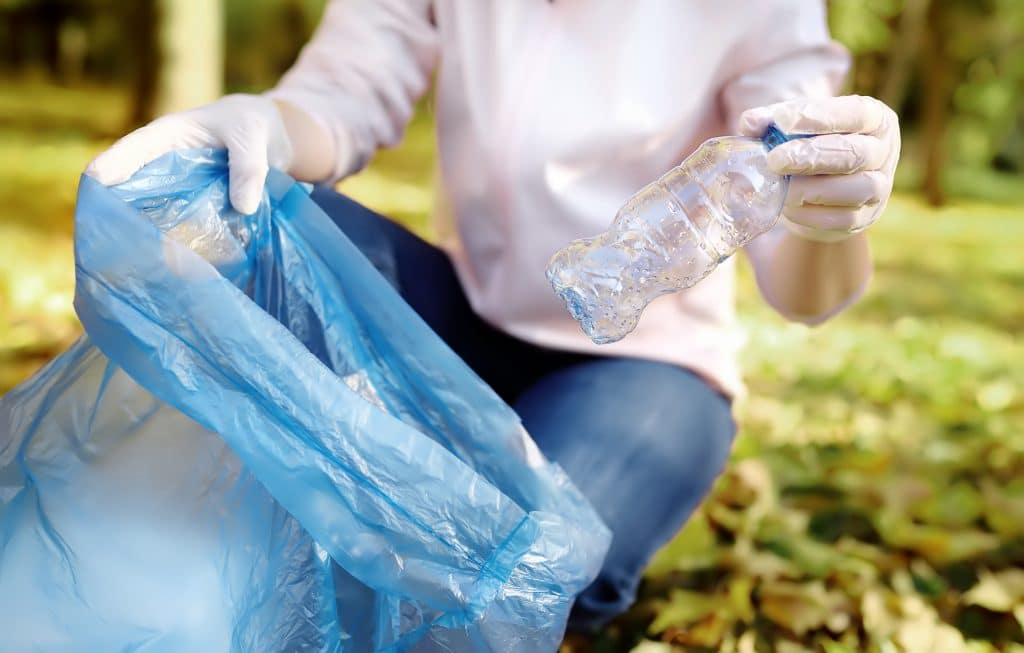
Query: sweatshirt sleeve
361, 74
787, 54
791, 55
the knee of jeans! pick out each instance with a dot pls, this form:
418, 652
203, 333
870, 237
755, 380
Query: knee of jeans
364, 228
703, 441
610, 595
710, 448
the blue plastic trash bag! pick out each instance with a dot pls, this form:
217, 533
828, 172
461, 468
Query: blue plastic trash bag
259, 447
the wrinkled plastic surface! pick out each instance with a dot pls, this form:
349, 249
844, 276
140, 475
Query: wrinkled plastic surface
670, 234
258, 446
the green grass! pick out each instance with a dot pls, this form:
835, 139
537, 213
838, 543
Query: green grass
877, 498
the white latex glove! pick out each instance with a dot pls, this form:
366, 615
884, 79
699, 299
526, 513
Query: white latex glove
842, 177
249, 126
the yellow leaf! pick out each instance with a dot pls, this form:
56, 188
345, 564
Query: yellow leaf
799, 607
746, 642
937, 545
835, 647
684, 608
761, 565
1004, 508
957, 506
705, 633
999, 592
786, 646
740, 590
746, 484
648, 646
693, 548
930, 636
880, 620
727, 518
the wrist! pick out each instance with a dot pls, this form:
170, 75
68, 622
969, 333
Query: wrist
824, 249
817, 234
810, 281
312, 145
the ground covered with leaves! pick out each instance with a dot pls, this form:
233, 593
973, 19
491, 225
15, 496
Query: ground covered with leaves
876, 501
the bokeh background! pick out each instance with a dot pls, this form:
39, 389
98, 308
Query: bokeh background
876, 500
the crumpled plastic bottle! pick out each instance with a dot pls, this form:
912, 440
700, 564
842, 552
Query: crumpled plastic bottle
671, 234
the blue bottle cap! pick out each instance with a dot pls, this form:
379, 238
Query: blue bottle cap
774, 137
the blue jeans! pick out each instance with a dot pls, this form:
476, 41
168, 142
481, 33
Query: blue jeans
643, 440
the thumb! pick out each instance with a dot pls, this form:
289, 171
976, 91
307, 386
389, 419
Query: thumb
755, 122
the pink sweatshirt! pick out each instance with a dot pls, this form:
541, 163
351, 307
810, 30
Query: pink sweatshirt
550, 114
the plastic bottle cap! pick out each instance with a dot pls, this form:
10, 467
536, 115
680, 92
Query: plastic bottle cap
774, 137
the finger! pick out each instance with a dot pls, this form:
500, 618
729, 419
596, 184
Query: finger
831, 154
247, 163
851, 191
831, 219
755, 122
245, 183
130, 153
847, 114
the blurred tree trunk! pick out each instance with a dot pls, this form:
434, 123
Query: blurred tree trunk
49, 15
15, 23
937, 99
141, 22
904, 53
191, 38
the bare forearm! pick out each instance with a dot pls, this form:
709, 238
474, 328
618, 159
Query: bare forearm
313, 154
809, 280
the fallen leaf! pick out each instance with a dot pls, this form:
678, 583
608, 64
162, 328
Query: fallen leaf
879, 616
937, 545
788, 646
836, 647
705, 633
683, 608
648, 646
744, 558
799, 607
999, 592
1004, 507
746, 642
926, 580
693, 548
958, 506
926, 634
747, 485
740, 590
727, 518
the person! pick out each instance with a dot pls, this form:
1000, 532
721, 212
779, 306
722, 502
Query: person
549, 115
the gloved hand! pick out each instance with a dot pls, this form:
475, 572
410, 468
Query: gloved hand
249, 126
842, 177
